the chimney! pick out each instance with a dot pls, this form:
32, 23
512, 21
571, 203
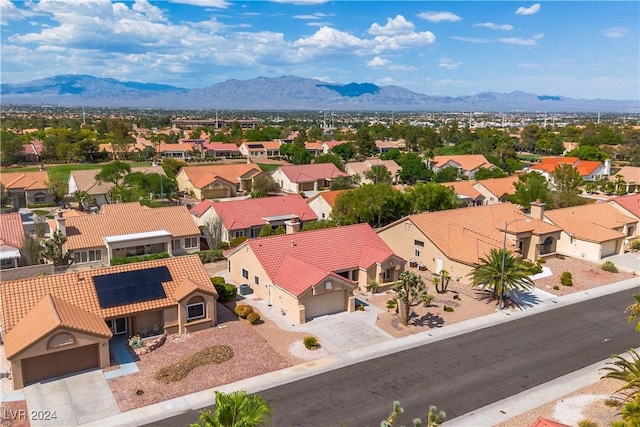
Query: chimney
293, 225
60, 220
537, 209
607, 167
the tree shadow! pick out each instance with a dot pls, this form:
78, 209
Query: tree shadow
429, 320
523, 300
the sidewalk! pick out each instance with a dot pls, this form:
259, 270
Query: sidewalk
524, 402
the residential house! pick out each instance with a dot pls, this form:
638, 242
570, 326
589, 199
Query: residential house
220, 150
85, 180
568, 146
323, 203
456, 240
361, 168
179, 151
631, 175
589, 170
11, 239
61, 324
466, 164
629, 205
467, 193
128, 229
314, 148
27, 188
328, 145
296, 178
248, 217
217, 181
382, 146
592, 231
202, 212
496, 190
31, 152
313, 273
260, 149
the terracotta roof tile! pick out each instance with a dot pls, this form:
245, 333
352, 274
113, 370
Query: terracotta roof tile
21, 296
467, 162
310, 173
295, 261
11, 230
499, 186
205, 175
594, 222
543, 422
549, 164
188, 286
631, 175
88, 231
464, 188
362, 167
243, 214
630, 203
221, 146
86, 179
328, 196
199, 209
27, 180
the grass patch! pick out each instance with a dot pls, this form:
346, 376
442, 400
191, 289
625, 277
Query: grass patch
267, 167
213, 355
449, 150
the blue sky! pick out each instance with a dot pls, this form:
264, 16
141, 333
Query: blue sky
584, 49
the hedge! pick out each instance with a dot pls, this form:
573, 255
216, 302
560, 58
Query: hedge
138, 258
210, 256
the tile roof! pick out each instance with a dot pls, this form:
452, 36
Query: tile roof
86, 179
468, 234
295, 261
630, 203
328, 196
243, 214
594, 222
19, 297
543, 422
310, 173
499, 186
361, 167
331, 144
631, 174
313, 146
27, 180
188, 286
47, 315
467, 162
464, 188
549, 164
199, 209
261, 145
11, 230
88, 231
201, 176
221, 146
163, 147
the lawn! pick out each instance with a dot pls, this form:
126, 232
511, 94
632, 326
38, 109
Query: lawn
268, 167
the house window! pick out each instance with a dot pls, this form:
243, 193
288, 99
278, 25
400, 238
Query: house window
40, 198
87, 256
191, 242
7, 262
195, 311
416, 252
418, 243
328, 286
408, 226
323, 215
239, 233
245, 273
175, 244
386, 276
256, 280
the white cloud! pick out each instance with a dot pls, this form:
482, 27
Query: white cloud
470, 39
615, 32
318, 24
306, 17
330, 38
378, 62
219, 4
447, 63
396, 26
492, 26
522, 42
528, 10
386, 81
145, 8
384, 43
9, 12
439, 16
529, 65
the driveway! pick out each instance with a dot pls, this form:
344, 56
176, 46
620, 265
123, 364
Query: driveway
628, 262
70, 401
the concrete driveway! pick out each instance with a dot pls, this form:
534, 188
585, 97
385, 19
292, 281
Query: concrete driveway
73, 400
628, 262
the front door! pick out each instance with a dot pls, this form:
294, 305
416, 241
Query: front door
118, 326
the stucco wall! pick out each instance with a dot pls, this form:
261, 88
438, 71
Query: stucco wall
581, 248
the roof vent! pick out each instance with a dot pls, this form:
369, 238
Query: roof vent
293, 244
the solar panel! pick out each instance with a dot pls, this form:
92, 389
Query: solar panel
130, 287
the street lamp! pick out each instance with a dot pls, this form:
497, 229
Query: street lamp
504, 255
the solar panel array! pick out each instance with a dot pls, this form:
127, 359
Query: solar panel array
130, 287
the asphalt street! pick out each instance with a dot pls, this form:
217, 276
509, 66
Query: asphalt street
458, 374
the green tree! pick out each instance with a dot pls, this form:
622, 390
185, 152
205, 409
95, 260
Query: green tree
11, 147
82, 198
502, 271
378, 205
627, 370
530, 187
264, 185
365, 143
588, 152
345, 151
236, 409
59, 187
330, 158
266, 231
344, 182
392, 154
567, 181
446, 174
413, 169
430, 197
5, 197
634, 312
30, 250
296, 154
378, 174
53, 250
410, 291
171, 167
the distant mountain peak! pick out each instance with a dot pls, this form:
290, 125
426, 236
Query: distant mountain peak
352, 89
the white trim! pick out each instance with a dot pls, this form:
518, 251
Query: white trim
136, 236
204, 311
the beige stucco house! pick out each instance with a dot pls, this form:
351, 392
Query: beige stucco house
27, 188
456, 240
324, 202
61, 324
217, 181
313, 273
296, 178
361, 168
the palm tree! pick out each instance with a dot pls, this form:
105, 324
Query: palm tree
634, 312
236, 409
628, 371
81, 197
491, 275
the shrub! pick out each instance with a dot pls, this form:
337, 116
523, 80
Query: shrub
541, 261
558, 256
428, 299
533, 268
373, 285
210, 256
635, 245
40, 205
253, 318
391, 304
236, 241
311, 342
138, 258
218, 280
448, 309
587, 423
136, 342
612, 403
610, 267
243, 310
566, 279
226, 291
556, 287
223, 246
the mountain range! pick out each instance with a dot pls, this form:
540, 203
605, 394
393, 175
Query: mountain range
285, 93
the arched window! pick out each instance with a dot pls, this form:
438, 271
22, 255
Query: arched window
60, 340
196, 308
546, 246
40, 198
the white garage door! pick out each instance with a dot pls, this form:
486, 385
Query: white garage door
318, 305
608, 248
